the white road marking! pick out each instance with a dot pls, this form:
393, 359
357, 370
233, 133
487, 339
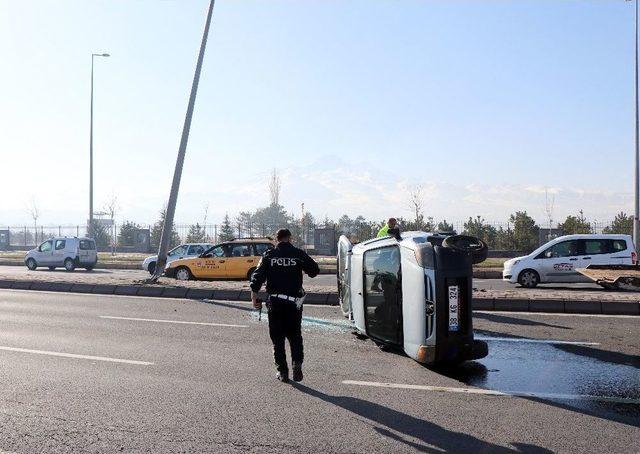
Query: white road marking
173, 321
491, 392
533, 341
562, 314
73, 355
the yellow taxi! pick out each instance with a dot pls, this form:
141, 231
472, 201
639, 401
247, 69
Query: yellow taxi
235, 259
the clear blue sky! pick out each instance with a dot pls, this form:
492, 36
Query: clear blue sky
483, 102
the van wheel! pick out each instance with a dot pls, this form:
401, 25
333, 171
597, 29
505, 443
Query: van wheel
52, 268
31, 264
152, 268
69, 265
529, 278
250, 273
183, 274
88, 268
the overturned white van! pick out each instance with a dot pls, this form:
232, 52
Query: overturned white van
413, 293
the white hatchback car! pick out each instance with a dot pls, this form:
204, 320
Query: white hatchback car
63, 252
183, 251
558, 260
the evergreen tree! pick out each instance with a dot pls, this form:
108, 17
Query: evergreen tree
480, 229
100, 233
525, 232
226, 231
575, 224
622, 223
156, 232
196, 234
444, 226
126, 236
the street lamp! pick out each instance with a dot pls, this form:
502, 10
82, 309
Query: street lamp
636, 167
91, 148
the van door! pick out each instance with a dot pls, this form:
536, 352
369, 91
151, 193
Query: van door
344, 275
58, 254
383, 294
621, 252
597, 252
559, 262
44, 254
87, 252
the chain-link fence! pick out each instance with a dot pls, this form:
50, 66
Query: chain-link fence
125, 237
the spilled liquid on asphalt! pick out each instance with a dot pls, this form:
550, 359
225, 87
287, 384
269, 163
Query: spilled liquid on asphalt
576, 370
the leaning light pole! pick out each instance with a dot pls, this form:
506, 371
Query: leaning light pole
177, 174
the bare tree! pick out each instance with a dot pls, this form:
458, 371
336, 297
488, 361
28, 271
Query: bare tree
34, 212
111, 207
416, 201
274, 188
204, 222
549, 204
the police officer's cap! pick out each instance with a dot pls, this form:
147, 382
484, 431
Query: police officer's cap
283, 234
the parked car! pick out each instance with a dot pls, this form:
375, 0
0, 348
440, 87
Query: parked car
70, 253
235, 259
558, 260
413, 293
179, 252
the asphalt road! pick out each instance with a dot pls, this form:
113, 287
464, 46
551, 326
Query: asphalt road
140, 379
8, 272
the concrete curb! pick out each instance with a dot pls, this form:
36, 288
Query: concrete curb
480, 273
327, 298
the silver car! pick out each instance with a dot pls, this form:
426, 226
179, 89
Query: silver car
179, 252
66, 252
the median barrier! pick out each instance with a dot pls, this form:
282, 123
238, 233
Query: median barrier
480, 301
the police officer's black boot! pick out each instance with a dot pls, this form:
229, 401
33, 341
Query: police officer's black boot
297, 372
283, 375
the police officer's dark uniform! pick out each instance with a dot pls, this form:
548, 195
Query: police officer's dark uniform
282, 269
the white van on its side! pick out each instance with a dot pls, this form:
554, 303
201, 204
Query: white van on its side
63, 252
558, 260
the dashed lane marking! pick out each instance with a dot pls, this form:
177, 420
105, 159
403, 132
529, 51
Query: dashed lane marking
533, 341
75, 356
491, 392
180, 322
553, 314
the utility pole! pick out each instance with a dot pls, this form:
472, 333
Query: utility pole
636, 217
89, 232
177, 174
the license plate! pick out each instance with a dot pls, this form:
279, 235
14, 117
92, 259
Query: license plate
454, 308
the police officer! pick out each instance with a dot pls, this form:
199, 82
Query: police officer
282, 269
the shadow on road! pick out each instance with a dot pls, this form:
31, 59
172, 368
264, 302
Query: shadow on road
77, 270
514, 320
434, 437
602, 355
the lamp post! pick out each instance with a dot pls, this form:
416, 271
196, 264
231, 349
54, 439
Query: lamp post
177, 173
91, 148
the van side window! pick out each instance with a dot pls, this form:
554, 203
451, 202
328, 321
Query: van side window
46, 246
619, 246
87, 245
562, 249
60, 244
596, 247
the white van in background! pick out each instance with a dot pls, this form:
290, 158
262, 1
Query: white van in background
558, 260
63, 252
